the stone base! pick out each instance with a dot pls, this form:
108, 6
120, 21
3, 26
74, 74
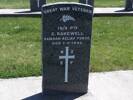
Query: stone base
52, 92
69, 96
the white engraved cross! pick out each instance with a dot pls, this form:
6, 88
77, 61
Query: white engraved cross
66, 58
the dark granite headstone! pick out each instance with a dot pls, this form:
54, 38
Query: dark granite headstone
66, 41
35, 5
90, 2
129, 5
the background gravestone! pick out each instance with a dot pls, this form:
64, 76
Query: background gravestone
66, 41
129, 5
90, 2
35, 5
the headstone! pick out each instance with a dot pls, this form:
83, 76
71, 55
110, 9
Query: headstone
90, 2
35, 5
129, 5
66, 41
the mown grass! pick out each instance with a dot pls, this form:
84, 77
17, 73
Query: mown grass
109, 3
14, 4
26, 3
20, 45
112, 44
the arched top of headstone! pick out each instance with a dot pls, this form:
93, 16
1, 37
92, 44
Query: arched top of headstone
67, 3
89, 2
35, 5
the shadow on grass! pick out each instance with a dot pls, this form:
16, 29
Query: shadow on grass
28, 11
63, 96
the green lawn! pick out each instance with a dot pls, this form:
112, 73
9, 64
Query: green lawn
112, 45
20, 45
14, 3
25, 3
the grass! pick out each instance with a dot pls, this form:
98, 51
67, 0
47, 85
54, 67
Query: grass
20, 45
109, 3
14, 4
25, 3
112, 44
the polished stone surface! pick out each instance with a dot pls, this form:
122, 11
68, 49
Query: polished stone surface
89, 2
35, 5
129, 5
66, 47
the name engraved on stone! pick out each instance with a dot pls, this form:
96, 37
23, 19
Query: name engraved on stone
66, 57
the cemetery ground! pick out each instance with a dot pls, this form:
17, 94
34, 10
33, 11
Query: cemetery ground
20, 46
21, 55
25, 3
